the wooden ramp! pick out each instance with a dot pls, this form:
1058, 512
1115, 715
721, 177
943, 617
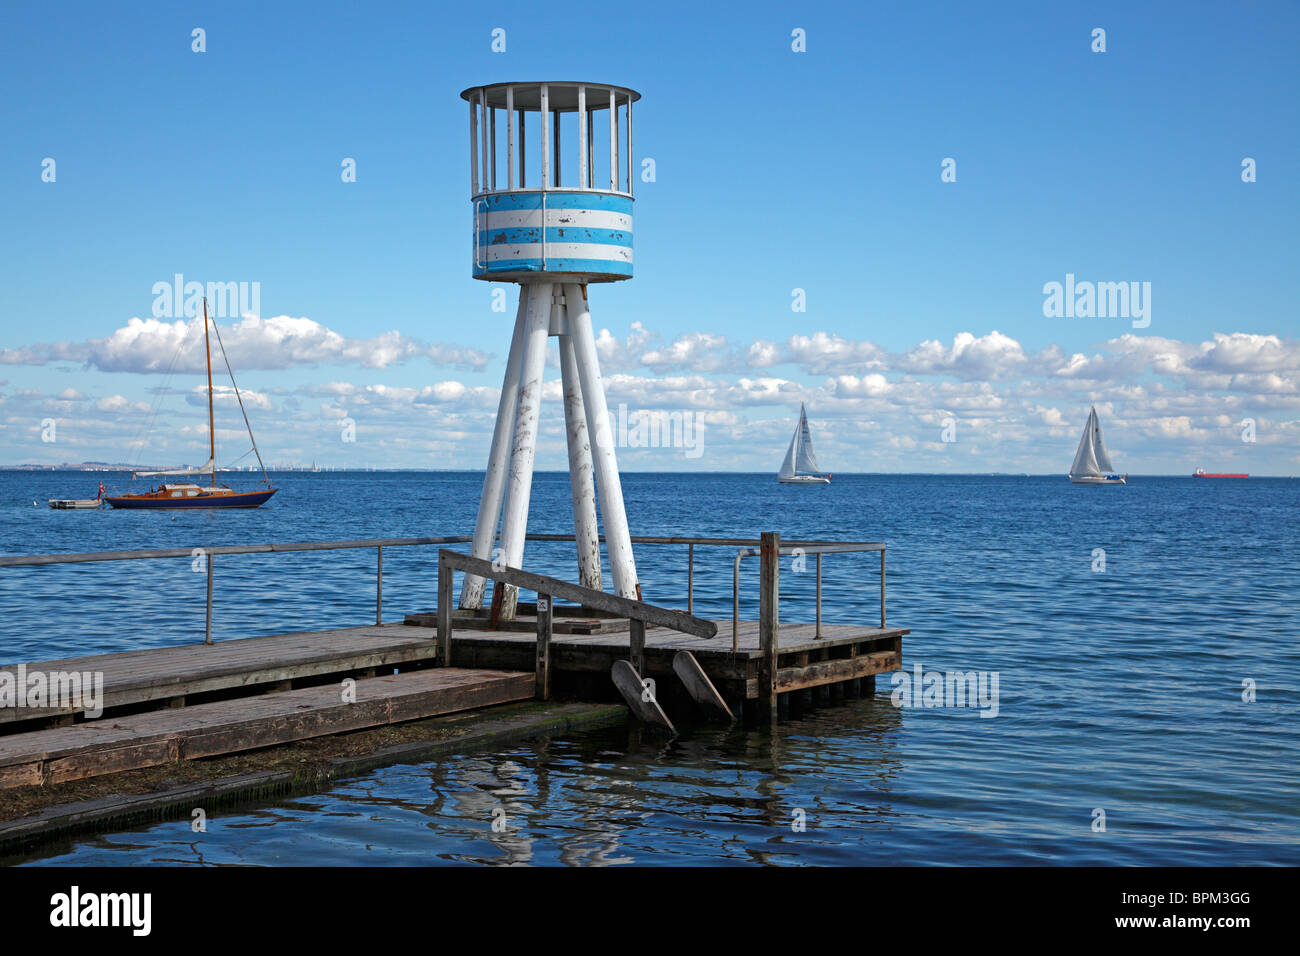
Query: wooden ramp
165, 675
205, 730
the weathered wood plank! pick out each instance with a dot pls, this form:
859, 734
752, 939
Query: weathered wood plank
205, 730
160, 674
832, 672
599, 600
700, 687
643, 705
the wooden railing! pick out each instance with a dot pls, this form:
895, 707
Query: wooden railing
749, 546
637, 613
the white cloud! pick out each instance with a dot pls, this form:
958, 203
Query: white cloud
158, 346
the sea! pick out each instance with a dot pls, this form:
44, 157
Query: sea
1144, 643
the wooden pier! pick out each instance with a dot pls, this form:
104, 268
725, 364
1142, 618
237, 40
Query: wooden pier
202, 700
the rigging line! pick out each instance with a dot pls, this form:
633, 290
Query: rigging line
230, 464
242, 410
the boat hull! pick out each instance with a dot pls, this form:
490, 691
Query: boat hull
236, 499
78, 503
1099, 479
804, 480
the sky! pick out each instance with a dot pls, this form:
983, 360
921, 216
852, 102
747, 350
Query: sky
915, 178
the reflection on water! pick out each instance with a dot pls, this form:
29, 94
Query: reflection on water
1119, 691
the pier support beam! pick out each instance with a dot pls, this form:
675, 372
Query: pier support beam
618, 540
519, 485
582, 485
494, 482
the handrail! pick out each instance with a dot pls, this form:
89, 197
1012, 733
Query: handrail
16, 561
799, 548
750, 546
589, 597
638, 613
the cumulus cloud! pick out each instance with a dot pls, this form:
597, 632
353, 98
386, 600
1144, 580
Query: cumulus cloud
991, 356
158, 346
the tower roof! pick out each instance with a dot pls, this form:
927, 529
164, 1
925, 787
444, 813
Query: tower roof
562, 95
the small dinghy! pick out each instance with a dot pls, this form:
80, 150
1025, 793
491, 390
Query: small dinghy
79, 503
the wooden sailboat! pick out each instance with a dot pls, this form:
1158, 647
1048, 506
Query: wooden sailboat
800, 465
1092, 462
191, 495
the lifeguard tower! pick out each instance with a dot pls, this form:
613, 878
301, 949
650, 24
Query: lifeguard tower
551, 184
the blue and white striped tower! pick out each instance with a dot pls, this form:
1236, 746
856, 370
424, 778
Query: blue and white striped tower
551, 214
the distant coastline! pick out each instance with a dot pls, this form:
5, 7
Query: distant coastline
99, 466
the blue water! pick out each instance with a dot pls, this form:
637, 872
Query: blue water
1120, 690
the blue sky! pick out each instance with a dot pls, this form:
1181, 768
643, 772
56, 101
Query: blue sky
775, 170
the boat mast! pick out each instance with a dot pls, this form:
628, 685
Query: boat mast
212, 435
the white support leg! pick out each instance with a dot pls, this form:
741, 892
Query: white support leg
618, 540
494, 482
514, 523
582, 485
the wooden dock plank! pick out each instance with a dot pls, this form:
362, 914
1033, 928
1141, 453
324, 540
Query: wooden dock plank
205, 730
132, 677
833, 672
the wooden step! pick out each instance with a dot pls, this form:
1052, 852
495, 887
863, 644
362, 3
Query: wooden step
98, 747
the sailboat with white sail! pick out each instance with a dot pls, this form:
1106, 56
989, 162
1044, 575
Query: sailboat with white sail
1092, 462
800, 466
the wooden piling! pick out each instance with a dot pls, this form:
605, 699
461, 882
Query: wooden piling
768, 626
636, 637
544, 618
444, 609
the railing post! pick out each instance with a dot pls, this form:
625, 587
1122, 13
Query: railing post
636, 650
690, 579
819, 595
768, 626
735, 603
379, 587
543, 647
882, 587
207, 638
444, 609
